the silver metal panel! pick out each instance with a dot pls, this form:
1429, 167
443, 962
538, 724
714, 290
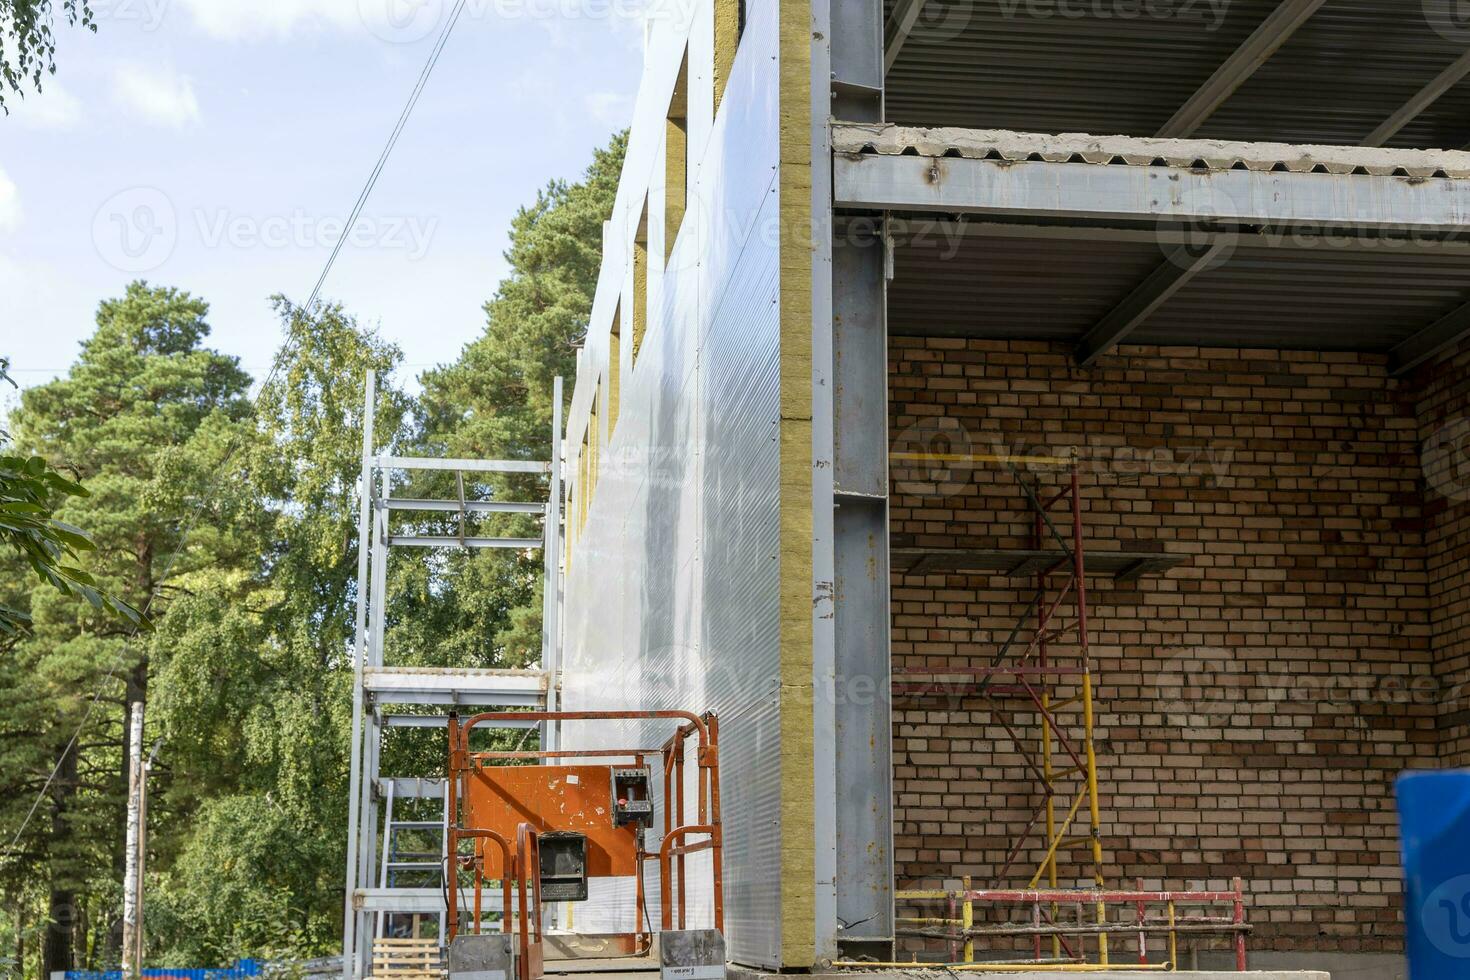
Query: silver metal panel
671, 594
1080, 191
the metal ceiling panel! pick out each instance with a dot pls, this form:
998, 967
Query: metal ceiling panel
1319, 298
1050, 67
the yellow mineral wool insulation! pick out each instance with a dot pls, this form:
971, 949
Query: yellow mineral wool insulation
798, 857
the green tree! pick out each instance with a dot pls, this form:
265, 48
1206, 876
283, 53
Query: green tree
28, 41
495, 402
30, 493
146, 418
254, 695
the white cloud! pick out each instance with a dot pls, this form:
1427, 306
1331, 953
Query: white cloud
9, 204
156, 95
52, 108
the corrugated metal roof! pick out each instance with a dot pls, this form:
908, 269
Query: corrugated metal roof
1021, 64
1289, 298
1140, 151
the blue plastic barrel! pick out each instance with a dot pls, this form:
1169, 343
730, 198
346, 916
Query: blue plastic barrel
1434, 820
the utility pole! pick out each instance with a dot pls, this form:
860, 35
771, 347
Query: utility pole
133, 868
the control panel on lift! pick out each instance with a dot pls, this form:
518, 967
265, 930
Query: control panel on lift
631, 800
538, 835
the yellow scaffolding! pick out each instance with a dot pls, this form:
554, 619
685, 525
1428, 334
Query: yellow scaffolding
1065, 764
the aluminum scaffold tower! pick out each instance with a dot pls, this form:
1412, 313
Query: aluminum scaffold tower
395, 865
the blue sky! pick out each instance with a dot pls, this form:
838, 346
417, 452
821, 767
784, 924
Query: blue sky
218, 145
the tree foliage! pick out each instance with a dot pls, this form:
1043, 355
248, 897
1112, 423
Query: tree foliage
30, 493
28, 40
240, 518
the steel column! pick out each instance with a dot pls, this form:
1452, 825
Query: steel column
861, 606
551, 583
356, 780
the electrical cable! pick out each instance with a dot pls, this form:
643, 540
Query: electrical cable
222, 468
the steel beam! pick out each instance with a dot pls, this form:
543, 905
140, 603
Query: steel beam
1442, 335
1422, 100
1178, 268
449, 685
950, 231
441, 721
409, 788
1257, 49
1357, 203
439, 541
421, 900
462, 465
900, 25
469, 506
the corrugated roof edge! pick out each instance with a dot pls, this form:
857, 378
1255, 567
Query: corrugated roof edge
1145, 151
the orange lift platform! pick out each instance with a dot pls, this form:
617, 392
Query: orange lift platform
544, 824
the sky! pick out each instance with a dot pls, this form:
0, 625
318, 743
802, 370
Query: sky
218, 146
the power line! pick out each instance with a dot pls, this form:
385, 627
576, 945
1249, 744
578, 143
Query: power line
223, 467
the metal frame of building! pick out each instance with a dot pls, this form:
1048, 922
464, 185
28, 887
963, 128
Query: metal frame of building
371, 828
728, 434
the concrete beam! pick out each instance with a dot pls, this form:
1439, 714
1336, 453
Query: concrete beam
1257, 49
1178, 268
1422, 100
1358, 203
1442, 335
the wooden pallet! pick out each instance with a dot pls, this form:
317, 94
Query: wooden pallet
407, 959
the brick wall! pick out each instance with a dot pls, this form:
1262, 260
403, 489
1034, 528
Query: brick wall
1255, 703
1444, 429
